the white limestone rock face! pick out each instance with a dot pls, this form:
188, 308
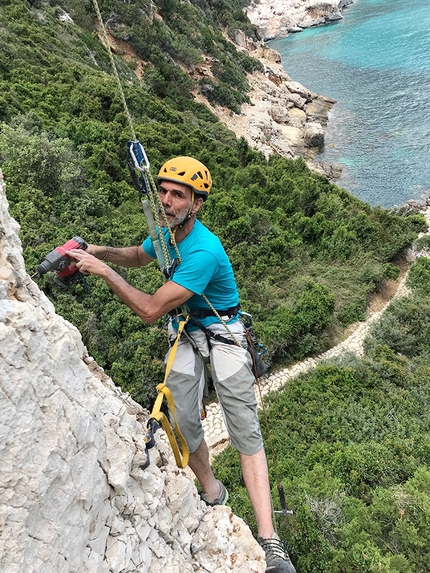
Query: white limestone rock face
275, 18
221, 530
73, 497
283, 114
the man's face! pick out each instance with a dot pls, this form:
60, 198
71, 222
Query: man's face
176, 199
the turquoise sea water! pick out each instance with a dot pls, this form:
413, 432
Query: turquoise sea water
376, 64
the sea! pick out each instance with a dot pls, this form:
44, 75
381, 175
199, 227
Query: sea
375, 63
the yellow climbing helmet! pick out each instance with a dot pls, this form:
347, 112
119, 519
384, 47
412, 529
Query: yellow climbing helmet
188, 171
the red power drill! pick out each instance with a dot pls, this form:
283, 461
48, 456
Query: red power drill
57, 260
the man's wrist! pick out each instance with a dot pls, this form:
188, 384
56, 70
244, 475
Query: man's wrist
105, 254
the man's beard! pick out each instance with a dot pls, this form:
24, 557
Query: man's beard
177, 220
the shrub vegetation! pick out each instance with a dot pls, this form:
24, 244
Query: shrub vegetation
351, 443
351, 438
307, 255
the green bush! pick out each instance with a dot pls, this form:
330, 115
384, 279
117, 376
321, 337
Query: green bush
351, 444
419, 276
422, 243
405, 329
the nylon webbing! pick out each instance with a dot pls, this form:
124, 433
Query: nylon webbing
163, 391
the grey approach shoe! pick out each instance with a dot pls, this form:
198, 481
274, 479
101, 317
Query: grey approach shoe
220, 500
277, 559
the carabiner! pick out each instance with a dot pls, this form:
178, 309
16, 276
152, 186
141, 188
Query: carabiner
136, 157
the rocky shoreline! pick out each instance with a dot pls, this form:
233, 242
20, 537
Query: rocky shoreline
284, 117
277, 18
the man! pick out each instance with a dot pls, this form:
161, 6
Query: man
204, 274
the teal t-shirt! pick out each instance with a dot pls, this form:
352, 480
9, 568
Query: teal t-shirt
205, 269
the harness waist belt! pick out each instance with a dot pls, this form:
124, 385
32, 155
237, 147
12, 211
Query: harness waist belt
204, 312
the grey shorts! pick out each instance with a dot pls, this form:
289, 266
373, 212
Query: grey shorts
233, 381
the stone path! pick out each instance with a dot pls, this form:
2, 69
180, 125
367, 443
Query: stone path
215, 432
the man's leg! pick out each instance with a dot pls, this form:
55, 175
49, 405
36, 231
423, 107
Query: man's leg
185, 381
256, 478
199, 463
234, 382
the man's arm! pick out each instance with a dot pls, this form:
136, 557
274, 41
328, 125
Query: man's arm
123, 256
148, 307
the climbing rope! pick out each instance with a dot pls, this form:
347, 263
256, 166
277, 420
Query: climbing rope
284, 510
141, 163
149, 185
115, 71
143, 167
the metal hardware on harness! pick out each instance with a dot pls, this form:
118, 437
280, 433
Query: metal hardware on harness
169, 271
211, 334
247, 322
151, 428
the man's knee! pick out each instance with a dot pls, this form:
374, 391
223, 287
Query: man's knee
190, 428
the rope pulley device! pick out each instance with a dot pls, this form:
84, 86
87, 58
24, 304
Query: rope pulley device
136, 157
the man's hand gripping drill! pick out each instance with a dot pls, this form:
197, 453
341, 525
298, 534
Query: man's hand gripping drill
59, 261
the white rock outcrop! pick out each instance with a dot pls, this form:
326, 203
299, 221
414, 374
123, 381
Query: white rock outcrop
73, 497
275, 18
282, 113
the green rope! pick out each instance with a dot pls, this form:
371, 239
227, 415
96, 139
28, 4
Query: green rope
115, 71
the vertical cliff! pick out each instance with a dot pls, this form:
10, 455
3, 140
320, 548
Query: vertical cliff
73, 497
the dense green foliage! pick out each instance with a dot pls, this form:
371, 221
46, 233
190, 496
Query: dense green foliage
352, 444
307, 255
